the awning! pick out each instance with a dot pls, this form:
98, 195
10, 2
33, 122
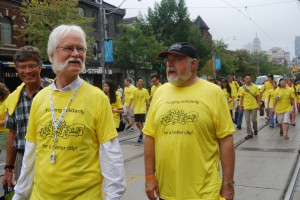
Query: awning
12, 64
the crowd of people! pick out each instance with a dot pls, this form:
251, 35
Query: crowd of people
277, 100
65, 129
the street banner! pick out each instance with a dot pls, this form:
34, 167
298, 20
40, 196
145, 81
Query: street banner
108, 49
218, 63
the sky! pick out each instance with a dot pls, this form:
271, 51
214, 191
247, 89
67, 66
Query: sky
237, 22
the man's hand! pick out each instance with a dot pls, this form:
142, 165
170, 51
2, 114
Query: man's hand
151, 187
7, 179
227, 192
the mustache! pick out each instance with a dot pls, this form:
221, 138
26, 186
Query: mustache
71, 59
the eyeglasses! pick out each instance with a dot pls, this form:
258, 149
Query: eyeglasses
29, 67
69, 50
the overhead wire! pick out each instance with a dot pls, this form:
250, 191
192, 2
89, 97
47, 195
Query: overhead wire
253, 22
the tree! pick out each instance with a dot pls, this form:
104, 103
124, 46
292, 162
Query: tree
134, 50
202, 44
169, 21
42, 16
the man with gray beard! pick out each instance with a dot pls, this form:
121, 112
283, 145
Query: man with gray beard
71, 141
184, 141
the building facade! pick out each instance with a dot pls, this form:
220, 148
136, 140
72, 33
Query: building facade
278, 56
256, 45
297, 46
12, 22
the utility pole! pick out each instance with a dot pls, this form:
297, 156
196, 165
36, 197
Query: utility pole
102, 37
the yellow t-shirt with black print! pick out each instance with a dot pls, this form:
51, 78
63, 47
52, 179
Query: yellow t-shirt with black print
186, 126
88, 122
284, 103
234, 89
153, 89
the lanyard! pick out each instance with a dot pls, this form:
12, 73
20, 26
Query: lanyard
57, 124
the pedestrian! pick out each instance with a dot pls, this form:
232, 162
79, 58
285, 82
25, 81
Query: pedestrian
4, 92
128, 110
68, 121
284, 104
28, 63
267, 86
229, 94
250, 102
188, 131
120, 90
240, 107
270, 108
155, 84
109, 89
140, 101
291, 86
234, 89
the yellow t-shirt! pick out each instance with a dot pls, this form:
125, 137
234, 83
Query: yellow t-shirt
88, 122
239, 94
140, 98
234, 89
127, 93
117, 106
3, 108
228, 97
186, 126
153, 89
284, 103
266, 87
298, 93
248, 100
271, 94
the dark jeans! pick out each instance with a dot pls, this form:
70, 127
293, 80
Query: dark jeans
240, 118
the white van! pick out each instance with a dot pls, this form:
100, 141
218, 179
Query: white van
260, 80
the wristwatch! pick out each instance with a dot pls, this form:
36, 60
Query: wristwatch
228, 183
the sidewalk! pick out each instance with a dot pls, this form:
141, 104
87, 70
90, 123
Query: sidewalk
265, 163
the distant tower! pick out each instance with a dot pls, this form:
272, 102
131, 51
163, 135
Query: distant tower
297, 46
256, 45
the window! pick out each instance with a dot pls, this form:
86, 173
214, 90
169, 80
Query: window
96, 50
6, 30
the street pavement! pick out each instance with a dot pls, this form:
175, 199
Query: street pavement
264, 164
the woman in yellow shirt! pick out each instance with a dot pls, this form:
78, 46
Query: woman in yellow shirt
229, 94
114, 97
4, 92
270, 98
283, 104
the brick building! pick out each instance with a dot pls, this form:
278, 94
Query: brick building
12, 22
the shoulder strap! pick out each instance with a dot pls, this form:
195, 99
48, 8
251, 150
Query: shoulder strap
246, 90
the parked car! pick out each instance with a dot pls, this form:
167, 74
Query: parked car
260, 80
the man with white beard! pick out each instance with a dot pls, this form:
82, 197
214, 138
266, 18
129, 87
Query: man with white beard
188, 129
70, 128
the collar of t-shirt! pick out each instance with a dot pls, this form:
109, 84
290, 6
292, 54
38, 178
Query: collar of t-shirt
74, 85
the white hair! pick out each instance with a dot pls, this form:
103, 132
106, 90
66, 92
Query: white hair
59, 33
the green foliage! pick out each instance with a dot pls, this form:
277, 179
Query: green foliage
42, 16
134, 50
202, 44
169, 21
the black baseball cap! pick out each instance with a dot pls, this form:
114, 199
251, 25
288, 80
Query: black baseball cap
180, 48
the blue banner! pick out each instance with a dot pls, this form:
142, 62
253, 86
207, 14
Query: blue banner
218, 63
108, 49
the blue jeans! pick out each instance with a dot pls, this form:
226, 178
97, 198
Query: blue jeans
271, 117
240, 118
